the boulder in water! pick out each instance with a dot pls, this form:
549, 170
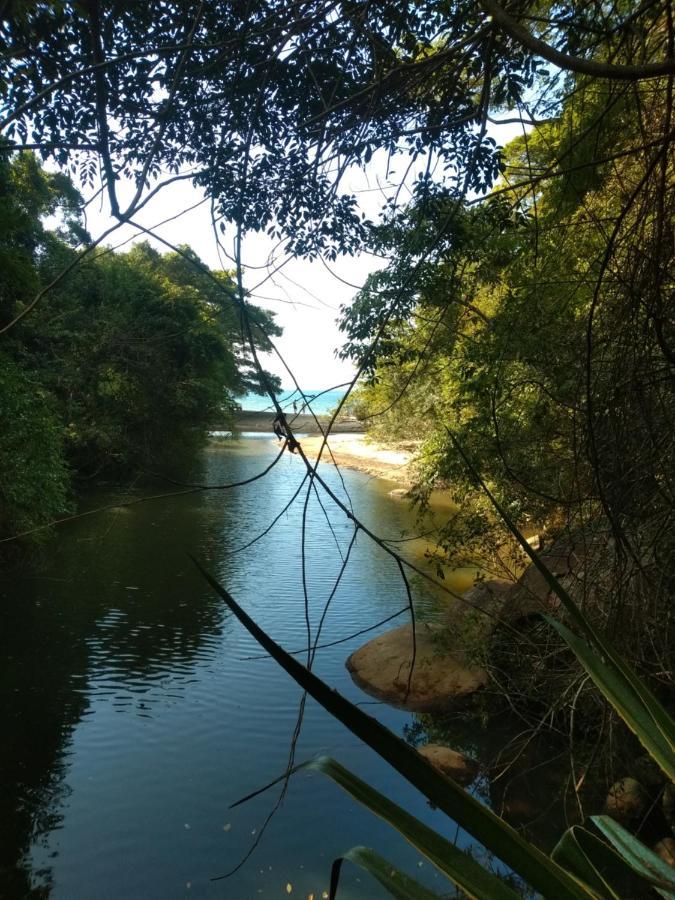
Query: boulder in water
627, 801
442, 674
457, 766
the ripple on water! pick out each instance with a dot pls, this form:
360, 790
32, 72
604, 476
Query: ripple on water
151, 718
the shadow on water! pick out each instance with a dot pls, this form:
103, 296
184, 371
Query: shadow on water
95, 619
135, 710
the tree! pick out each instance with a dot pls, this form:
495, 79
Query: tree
533, 321
129, 362
534, 337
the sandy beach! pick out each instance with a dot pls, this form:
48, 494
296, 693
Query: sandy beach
357, 451
350, 446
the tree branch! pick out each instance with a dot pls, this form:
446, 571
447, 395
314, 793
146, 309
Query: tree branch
574, 63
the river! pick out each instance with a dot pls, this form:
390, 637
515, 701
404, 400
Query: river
134, 713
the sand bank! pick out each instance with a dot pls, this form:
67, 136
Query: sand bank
357, 451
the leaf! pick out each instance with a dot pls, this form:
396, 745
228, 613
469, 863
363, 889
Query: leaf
526, 860
620, 694
457, 865
396, 882
640, 858
595, 862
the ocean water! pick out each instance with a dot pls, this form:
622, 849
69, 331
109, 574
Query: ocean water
322, 401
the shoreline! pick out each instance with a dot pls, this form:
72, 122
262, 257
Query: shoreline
350, 446
303, 423
356, 451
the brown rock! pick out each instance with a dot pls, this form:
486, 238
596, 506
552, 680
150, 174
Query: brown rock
666, 850
627, 801
442, 674
578, 563
488, 596
457, 766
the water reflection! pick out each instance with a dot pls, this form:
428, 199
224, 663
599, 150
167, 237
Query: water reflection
132, 720
78, 632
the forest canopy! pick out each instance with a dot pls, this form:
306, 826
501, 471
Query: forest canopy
128, 361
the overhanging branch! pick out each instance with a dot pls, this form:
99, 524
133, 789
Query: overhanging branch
575, 63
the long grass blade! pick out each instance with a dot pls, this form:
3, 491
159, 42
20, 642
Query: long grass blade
641, 859
454, 863
399, 885
597, 864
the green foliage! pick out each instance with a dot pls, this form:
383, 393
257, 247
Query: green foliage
149, 359
533, 326
134, 356
35, 479
246, 84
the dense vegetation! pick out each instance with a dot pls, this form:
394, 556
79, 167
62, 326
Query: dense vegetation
535, 335
523, 323
127, 365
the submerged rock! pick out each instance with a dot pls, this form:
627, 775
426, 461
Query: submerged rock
442, 674
627, 801
400, 494
459, 767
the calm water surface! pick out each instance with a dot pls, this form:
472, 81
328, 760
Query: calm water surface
133, 715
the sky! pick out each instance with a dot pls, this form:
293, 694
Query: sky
305, 296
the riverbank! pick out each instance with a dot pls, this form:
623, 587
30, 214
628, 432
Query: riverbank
261, 422
357, 451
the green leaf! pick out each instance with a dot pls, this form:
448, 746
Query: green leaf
457, 865
619, 692
640, 858
399, 885
522, 857
596, 863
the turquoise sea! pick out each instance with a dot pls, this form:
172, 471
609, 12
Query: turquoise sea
322, 400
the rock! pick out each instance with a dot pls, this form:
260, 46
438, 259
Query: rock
489, 595
400, 494
666, 850
484, 597
459, 767
580, 565
627, 801
442, 676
